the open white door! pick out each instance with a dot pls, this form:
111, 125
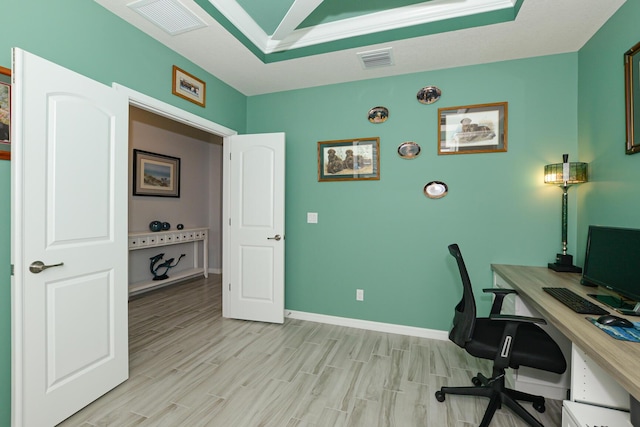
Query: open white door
254, 267
69, 212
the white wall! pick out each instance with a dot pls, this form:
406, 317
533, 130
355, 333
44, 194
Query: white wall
200, 201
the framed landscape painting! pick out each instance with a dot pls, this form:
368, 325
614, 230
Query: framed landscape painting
155, 174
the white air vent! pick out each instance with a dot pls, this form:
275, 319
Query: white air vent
170, 15
376, 58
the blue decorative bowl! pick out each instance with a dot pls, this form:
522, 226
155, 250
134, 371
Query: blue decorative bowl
155, 226
166, 226
180, 226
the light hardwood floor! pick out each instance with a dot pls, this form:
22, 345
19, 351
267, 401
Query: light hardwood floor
191, 367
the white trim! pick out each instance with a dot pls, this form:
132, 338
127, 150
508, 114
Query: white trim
296, 14
436, 10
401, 17
215, 271
242, 21
163, 109
369, 325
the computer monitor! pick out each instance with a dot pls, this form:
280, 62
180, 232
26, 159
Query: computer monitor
612, 260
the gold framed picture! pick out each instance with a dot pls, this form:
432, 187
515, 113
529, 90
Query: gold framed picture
189, 87
632, 97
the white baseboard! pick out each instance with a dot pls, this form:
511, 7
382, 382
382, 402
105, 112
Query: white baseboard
215, 270
367, 324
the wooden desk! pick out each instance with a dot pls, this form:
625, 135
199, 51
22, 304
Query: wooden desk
620, 359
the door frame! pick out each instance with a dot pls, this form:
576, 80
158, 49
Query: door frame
169, 111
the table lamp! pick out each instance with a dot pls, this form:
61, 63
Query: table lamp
564, 175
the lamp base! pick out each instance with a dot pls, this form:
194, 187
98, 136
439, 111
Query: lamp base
564, 264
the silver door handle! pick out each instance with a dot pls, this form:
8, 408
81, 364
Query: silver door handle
38, 266
277, 237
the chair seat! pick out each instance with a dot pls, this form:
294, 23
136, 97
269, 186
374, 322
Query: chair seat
534, 349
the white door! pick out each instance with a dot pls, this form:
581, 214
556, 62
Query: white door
69, 211
254, 282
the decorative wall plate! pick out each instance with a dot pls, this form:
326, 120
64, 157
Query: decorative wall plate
428, 95
436, 189
409, 150
378, 114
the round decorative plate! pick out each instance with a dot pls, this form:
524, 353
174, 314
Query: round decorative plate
409, 150
428, 95
378, 114
436, 189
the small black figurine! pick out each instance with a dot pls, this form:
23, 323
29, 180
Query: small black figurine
166, 264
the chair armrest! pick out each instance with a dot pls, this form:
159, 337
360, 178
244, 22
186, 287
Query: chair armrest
499, 295
520, 319
503, 356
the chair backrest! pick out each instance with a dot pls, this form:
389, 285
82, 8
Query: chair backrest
465, 315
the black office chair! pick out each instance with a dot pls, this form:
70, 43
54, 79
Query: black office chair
510, 341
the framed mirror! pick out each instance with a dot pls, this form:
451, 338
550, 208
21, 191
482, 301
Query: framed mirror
632, 97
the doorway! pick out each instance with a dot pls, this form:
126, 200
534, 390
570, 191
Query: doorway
200, 201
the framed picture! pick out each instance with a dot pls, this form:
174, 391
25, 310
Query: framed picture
189, 87
470, 129
632, 96
155, 174
5, 113
349, 160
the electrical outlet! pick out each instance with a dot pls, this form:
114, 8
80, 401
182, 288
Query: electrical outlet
359, 294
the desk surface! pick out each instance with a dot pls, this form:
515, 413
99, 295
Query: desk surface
620, 359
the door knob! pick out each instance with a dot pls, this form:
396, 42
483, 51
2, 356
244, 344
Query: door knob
39, 266
277, 237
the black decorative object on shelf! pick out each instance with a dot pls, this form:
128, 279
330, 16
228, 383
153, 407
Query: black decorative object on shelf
155, 226
166, 264
180, 226
166, 226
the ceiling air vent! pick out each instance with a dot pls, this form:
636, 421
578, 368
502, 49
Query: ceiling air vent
170, 15
376, 58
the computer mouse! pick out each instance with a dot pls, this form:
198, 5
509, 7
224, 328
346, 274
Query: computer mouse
610, 320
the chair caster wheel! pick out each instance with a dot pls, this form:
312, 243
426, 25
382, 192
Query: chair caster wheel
539, 407
476, 381
439, 396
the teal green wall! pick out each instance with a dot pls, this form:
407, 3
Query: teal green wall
86, 38
613, 195
385, 236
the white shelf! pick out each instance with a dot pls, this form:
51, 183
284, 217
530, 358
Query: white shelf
139, 287
146, 240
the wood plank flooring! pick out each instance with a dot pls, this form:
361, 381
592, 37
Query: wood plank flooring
191, 367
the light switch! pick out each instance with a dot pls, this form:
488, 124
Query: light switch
312, 217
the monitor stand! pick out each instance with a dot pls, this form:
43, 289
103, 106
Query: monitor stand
628, 307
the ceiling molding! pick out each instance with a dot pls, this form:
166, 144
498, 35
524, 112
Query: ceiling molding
408, 16
402, 17
240, 19
298, 12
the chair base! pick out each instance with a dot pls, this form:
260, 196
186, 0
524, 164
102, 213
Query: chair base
494, 388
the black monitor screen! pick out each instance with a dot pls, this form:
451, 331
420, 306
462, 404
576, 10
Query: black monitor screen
612, 260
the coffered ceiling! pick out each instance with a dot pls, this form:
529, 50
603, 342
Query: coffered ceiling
263, 46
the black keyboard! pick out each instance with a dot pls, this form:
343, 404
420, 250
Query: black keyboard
574, 301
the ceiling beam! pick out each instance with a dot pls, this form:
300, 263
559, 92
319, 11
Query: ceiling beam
297, 13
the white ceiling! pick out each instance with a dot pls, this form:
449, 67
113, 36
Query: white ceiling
542, 27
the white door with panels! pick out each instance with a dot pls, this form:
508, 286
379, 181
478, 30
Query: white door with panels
69, 241
254, 282
69, 235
